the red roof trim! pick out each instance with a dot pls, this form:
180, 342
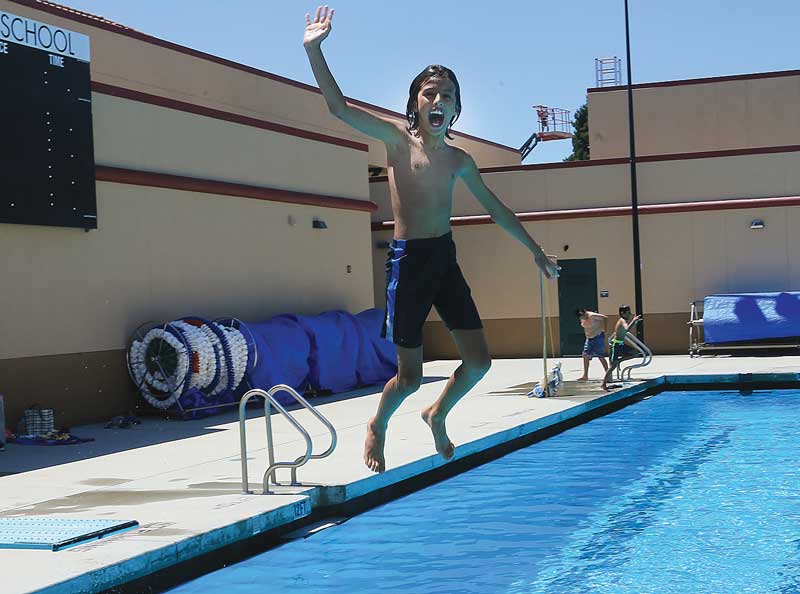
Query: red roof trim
698, 81
763, 150
206, 186
624, 160
227, 116
619, 211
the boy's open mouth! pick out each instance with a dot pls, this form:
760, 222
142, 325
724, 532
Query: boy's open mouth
436, 118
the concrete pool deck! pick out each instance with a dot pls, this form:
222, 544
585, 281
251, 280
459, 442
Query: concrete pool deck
181, 480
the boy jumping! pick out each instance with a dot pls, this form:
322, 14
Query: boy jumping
421, 266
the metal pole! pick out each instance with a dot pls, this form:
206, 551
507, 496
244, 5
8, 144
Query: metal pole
545, 386
637, 260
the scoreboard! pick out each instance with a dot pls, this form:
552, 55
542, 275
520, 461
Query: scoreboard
47, 172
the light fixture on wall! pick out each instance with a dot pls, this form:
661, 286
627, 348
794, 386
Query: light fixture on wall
757, 224
319, 224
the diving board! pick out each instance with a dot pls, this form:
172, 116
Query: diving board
54, 534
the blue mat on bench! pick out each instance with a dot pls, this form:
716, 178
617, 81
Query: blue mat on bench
751, 316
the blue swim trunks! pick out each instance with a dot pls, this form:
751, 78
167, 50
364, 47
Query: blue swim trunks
620, 350
595, 347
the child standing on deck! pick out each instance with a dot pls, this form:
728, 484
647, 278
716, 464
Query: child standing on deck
594, 327
421, 267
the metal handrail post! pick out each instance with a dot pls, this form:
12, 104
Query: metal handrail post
545, 383
270, 443
284, 388
270, 401
299, 461
644, 350
243, 439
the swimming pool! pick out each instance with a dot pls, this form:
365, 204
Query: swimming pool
694, 492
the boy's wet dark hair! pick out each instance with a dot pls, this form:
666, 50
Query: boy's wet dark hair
412, 110
623, 309
580, 312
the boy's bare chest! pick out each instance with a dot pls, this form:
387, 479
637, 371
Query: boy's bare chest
420, 174
422, 163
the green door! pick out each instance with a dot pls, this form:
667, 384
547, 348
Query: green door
577, 287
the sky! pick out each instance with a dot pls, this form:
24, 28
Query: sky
508, 54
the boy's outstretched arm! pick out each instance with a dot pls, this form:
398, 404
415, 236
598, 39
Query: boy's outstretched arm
504, 216
317, 29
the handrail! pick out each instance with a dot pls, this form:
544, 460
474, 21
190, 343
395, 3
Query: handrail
694, 321
644, 351
269, 399
646, 360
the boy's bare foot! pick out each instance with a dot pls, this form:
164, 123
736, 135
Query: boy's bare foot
443, 444
583, 379
373, 447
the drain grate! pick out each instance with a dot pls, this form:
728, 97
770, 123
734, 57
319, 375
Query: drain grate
54, 534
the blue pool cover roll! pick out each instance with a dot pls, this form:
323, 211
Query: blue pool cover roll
283, 353
751, 316
333, 351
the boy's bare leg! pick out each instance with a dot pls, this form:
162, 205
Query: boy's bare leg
604, 363
406, 382
608, 374
611, 371
475, 362
585, 376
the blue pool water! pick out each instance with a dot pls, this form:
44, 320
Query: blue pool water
690, 492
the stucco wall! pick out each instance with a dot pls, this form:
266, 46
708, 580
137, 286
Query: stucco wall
596, 185
685, 255
72, 298
694, 116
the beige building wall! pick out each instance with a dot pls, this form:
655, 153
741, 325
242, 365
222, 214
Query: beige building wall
593, 184
146, 137
124, 57
71, 299
160, 254
699, 115
685, 255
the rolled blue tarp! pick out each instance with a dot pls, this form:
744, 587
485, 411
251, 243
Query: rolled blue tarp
283, 350
334, 351
334, 341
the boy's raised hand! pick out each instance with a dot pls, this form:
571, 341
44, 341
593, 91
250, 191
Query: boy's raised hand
318, 28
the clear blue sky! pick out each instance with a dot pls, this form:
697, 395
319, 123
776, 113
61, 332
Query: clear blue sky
508, 55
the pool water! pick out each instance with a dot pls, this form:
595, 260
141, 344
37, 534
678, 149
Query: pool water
690, 492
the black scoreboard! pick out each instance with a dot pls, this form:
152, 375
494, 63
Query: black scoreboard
47, 172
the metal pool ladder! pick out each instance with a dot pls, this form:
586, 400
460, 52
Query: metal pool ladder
624, 373
269, 399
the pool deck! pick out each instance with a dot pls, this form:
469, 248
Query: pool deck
181, 480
